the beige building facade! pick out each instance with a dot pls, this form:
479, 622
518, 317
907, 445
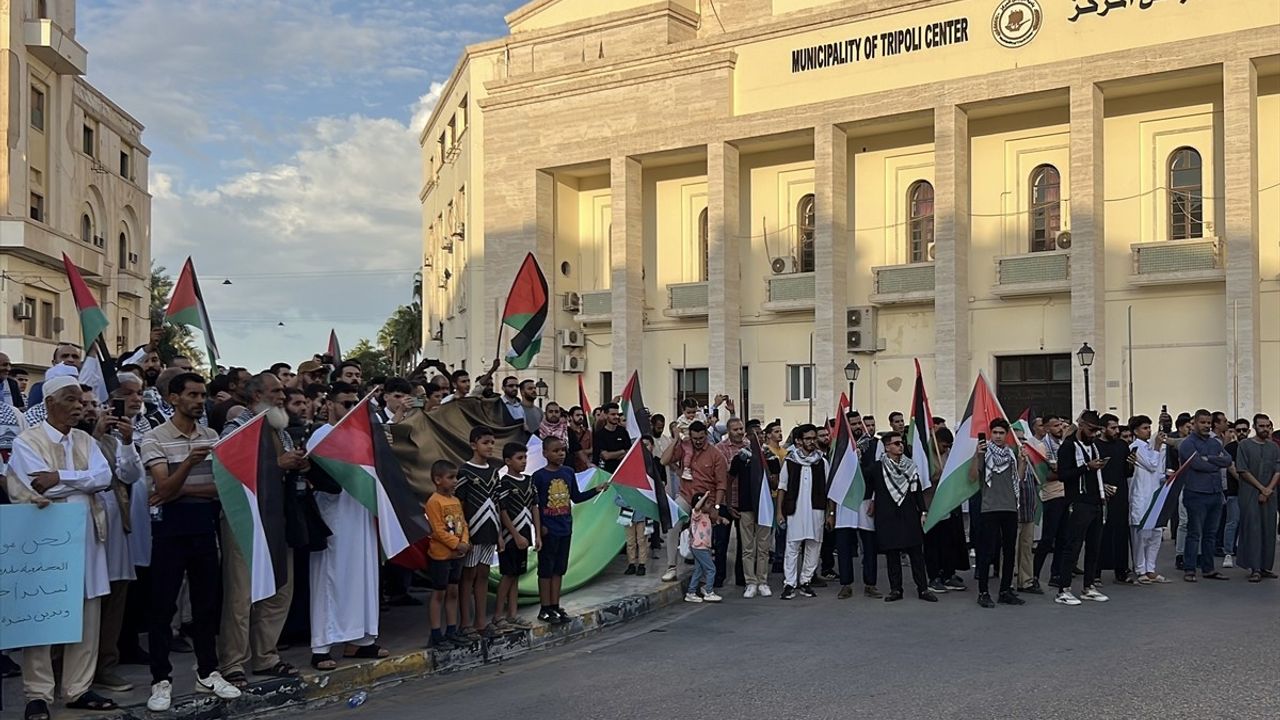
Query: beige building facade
74, 181
740, 197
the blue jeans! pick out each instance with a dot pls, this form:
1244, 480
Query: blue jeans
704, 570
1233, 524
1203, 513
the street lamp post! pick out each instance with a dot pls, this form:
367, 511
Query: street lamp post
542, 389
1085, 356
851, 374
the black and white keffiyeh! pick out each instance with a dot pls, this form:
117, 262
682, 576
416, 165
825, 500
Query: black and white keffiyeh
901, 477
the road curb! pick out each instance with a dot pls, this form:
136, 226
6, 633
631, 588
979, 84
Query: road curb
315, 688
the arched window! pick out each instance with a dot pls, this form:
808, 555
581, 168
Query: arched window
704, 244
1186, 195
920, 220
123, 250
86, 228
1046, 208
804, 222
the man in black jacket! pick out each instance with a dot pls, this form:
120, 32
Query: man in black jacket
1080, 470
1115, 528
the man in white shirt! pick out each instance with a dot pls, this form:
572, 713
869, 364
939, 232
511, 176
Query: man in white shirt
54, 461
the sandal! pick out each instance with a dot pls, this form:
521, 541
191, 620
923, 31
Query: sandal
237, 678
1215, 575
36, 710
367, 652
281, 669
323, 663
92, 701
1267, 574
1255, 577
1189, 577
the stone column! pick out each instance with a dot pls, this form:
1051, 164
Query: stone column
627, 261
1088, 244
832, 242
954, 373
724, 282
1241, 242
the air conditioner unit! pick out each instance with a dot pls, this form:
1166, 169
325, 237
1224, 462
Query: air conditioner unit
1064, 240
571, 302
930, 251
133, 258
573, 364
426, 261
24, 310
860, 329
446, 245
571, 338
783, 265
99, 241
59, 325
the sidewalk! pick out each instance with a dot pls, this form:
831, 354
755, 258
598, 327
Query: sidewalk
610, 599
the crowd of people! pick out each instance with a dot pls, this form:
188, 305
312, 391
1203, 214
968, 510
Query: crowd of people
161, 564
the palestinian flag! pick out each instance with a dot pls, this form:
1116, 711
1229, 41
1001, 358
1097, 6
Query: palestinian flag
592, 477
766, 512
356, 454
1036, 451
536, 459
955, 486
848, 487
526, 313
924, 450
633, 482
1160, 509
92, 320
186, 307
240, 461
634, 413
334, 349
582, 398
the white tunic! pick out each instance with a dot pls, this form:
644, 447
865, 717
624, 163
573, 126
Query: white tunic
74, 486
1148, 476
119, 555
140, 519
344, 577
806, 524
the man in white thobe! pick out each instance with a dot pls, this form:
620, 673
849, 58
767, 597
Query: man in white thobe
54, 461
803, 485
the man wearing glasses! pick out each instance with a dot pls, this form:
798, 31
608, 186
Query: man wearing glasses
803, 484
898, 508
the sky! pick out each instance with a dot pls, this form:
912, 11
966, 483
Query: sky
284, 153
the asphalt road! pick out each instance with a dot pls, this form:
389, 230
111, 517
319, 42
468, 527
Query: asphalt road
1199, 651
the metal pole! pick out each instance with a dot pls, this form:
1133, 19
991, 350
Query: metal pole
1132, 409
811, 388
1086, 388
684, 372
853, 405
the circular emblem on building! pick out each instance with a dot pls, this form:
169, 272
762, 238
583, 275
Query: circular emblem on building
1016, 22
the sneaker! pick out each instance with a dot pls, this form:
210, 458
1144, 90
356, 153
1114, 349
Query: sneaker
1091, 593
871, 591
937, 586
829, 575
788, 592
955, 583
161, 696
1066, 598
640, 571
1177, 562
631, 570
564, 616
216, 685
984, 600
846, 592
549, 616
763, 590
1008, 598
1033, 589
669, 575
927, 596
807, 591
692, 598
711, 597
1228, 562
817, 582
108, 680
750, 592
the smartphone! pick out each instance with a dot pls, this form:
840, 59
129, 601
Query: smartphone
117, 408
982, 437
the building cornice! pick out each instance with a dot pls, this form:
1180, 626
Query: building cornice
86, 95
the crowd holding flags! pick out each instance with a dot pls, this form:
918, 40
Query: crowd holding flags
955, 488
848, 487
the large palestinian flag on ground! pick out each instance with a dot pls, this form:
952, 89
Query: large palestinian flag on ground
632, 482
955, 486
848, 486
92, 320
240, 461
924, 451
635, 416
356, 454
526, 313
186, 307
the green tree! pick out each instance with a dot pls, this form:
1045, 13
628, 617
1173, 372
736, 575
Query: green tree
373, 360
401, 335
175, 340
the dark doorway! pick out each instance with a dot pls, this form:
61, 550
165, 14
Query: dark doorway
1041, 383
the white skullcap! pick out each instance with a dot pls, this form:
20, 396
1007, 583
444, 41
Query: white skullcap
51, 387
61, 370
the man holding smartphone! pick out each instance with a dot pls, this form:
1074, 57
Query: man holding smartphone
1080, 470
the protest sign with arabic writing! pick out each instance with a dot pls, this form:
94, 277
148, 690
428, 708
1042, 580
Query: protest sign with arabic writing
41, 574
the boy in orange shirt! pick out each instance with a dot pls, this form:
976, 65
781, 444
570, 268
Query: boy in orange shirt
450, 542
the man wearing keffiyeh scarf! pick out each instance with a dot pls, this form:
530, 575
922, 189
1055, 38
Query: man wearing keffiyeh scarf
803, 484
554, 424
996, 468
898, 508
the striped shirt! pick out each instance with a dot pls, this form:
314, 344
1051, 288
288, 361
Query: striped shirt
183, 515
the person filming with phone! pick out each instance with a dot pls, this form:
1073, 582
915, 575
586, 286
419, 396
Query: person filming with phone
1080, 470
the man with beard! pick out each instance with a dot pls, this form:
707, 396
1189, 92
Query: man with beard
995, 472
1080, 466
1115, 528
115, 437
1055, 528
237, 379
1258, 464
580, 441
898, 508
803, 485
10, 392
56, 461
733, 445
554, 423
702, 470
250, 630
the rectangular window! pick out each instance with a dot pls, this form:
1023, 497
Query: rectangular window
124, 164
1038, 383
37, 207
799, 383
122, 342
29, 316
46, 320
453, 131
693, 383
37, 108
463, 119
87, 143
606, 388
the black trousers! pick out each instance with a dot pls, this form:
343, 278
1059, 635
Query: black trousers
999, 535
827, 554
1054, 537
846, 541
893, 559
720, 552
196, 557
1086, 532
136, 611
